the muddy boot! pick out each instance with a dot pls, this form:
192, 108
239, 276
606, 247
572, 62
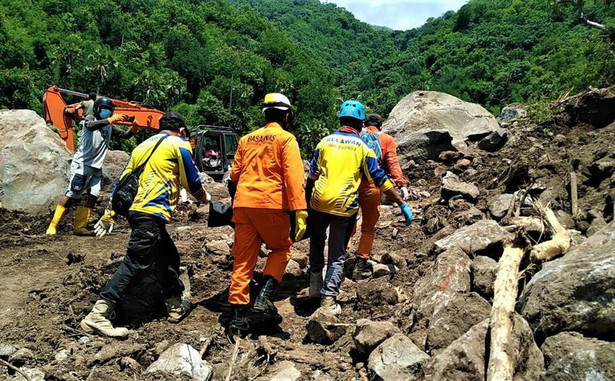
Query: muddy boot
57, 216
263, 301
329, 305
98, 321
316, 284
361, 270
177, 309
239, 325
82, 217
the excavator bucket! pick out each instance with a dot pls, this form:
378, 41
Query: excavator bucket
58, 114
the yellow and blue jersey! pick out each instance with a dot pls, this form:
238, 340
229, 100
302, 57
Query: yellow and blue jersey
340, 161
170, 166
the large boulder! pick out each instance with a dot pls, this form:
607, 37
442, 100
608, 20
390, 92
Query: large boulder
369, 334
454, 318
115, 162
422, 145
485, 237
570, 356
575, 292
397, 358
436, 111
34, 163
465, 358
484, 270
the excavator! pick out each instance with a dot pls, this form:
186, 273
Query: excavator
213, 146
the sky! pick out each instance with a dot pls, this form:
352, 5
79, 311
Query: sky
397, 14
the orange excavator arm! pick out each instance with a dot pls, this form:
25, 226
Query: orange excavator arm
62, 116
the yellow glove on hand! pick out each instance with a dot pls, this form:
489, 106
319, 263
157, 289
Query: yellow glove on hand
116, 118
300, 224
105, 224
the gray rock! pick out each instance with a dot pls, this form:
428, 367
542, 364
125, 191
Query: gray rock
570, 356
219, 247
286, 371
422, 145
439, 111
62, 355
452, 186
21, 356
483, 270
454, 318
182, 359
462, 165
499, 205
394, 259
34, 163
575, 292
596, 225
464, 358
323, 328
7, 349
485, 237
369, 334
84, 340
565, 219
494, 141
512, 112
381, 270
397, 358
293, 270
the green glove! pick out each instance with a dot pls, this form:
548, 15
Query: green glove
300, 224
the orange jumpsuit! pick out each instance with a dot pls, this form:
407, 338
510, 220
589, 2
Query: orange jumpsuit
268, 171
369, 194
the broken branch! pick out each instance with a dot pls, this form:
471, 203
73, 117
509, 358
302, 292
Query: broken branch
558, 244
11, 366
574, 197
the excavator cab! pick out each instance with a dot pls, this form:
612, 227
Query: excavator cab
214, 151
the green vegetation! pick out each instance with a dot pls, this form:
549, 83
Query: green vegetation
215, 60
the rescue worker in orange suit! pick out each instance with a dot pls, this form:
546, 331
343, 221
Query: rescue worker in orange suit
268, 173
370, 195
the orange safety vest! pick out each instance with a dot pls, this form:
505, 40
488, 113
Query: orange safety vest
388, 161
268, 170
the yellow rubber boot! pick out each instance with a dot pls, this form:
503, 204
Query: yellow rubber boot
57, 216
82, 217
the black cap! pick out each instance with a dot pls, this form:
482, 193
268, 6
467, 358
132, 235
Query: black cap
373, 120
172, 121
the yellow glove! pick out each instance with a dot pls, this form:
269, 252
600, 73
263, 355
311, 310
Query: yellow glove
105, 224
116, 118
300, 224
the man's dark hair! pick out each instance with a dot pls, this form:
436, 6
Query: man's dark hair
275, 115
351, 122
172, 121
373, 120
92, 96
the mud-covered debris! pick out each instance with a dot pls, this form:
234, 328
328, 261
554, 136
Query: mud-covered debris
182, 359
382, 270
74, 258
397, 358
369, 334
293, 270
499, 205
394, 259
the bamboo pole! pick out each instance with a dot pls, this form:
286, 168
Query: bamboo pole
501, 365
574, 197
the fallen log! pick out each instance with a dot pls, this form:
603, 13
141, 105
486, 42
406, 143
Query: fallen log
501, 365
558, 244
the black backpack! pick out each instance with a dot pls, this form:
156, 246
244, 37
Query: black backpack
127, 187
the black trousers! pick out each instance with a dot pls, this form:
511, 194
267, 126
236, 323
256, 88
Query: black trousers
340, 230
149, 245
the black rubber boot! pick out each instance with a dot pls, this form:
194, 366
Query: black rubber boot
263, 300
239, 324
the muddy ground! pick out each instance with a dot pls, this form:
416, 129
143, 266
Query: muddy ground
47, 284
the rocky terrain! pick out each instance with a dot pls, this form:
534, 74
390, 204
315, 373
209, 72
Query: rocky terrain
478, 185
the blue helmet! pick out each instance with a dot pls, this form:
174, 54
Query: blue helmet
353, 109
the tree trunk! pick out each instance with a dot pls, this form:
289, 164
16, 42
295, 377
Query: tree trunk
501, 365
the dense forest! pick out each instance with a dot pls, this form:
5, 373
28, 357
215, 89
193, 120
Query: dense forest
214, 60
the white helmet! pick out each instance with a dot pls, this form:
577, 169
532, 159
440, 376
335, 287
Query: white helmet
276, 100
